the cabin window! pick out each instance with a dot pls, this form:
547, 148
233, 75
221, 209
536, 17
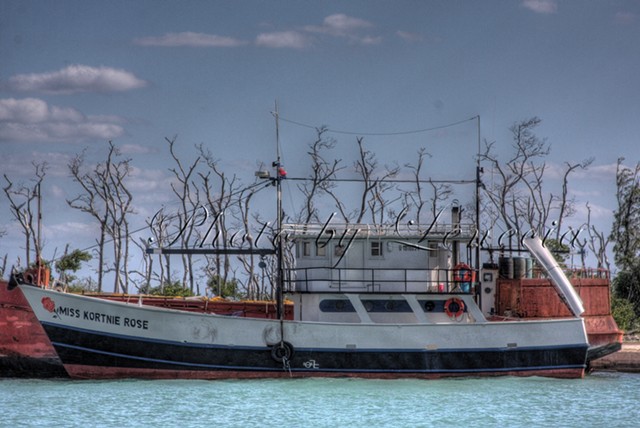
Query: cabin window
321, 250
338, 250
306, 249
376, 249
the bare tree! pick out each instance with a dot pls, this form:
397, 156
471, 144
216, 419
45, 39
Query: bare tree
374, 187
91, 203
188, 194
23, 201
625, 232
416, 196
141, 278
160, 225
440, 192
248, 263
518, 179
321, 178
106, 198
567, 206
119, 201
598, 242
3, 265
517, 197
219, 191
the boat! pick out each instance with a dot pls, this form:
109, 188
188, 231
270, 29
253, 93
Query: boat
360, 309
372, 301
25, 349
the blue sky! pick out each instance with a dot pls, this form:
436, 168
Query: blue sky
75, 74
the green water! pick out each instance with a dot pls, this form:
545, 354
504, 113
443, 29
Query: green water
599, 400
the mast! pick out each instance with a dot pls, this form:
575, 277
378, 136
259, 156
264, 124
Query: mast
280, 244
39, 234
479, 171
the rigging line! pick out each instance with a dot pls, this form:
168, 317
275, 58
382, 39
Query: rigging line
417, 131
359, 180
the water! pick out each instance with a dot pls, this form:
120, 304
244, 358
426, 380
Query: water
599, 400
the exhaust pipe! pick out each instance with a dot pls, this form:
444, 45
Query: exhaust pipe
560, 281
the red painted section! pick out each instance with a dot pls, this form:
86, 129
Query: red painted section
91, 372
25, 349
249, 309
537, 298
20, 330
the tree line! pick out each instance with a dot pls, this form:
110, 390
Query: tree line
516, 197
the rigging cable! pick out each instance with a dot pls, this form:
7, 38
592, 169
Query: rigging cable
416, 131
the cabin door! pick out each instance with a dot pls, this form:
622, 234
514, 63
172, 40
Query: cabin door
349, 272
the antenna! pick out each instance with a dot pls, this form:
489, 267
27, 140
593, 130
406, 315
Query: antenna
276, 114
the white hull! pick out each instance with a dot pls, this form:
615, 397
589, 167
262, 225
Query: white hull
100, 338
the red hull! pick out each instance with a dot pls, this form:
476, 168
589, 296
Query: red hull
25, 349
537, 298
92, 372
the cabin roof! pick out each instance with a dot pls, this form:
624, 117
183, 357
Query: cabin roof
301, 231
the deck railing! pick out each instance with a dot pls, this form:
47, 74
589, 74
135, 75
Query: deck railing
372, 280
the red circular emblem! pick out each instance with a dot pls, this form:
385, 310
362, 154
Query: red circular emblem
48, 304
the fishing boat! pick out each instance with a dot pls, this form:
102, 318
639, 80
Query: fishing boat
373, 301
26, 351
360, 309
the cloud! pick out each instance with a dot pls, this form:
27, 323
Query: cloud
136, 149
603, 172
598, 212
541, 6
20, 164
190, 39
371, 40
410, 37
57, 191
283, 39
62, 231
339, 25
625, 18
33, 120
343, 26
75, 79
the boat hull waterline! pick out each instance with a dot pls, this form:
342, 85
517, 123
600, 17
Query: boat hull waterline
104, 339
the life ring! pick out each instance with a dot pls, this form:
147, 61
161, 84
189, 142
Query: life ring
454, 307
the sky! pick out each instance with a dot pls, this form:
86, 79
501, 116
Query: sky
77, 74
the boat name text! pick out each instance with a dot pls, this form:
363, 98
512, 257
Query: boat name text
102, 318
